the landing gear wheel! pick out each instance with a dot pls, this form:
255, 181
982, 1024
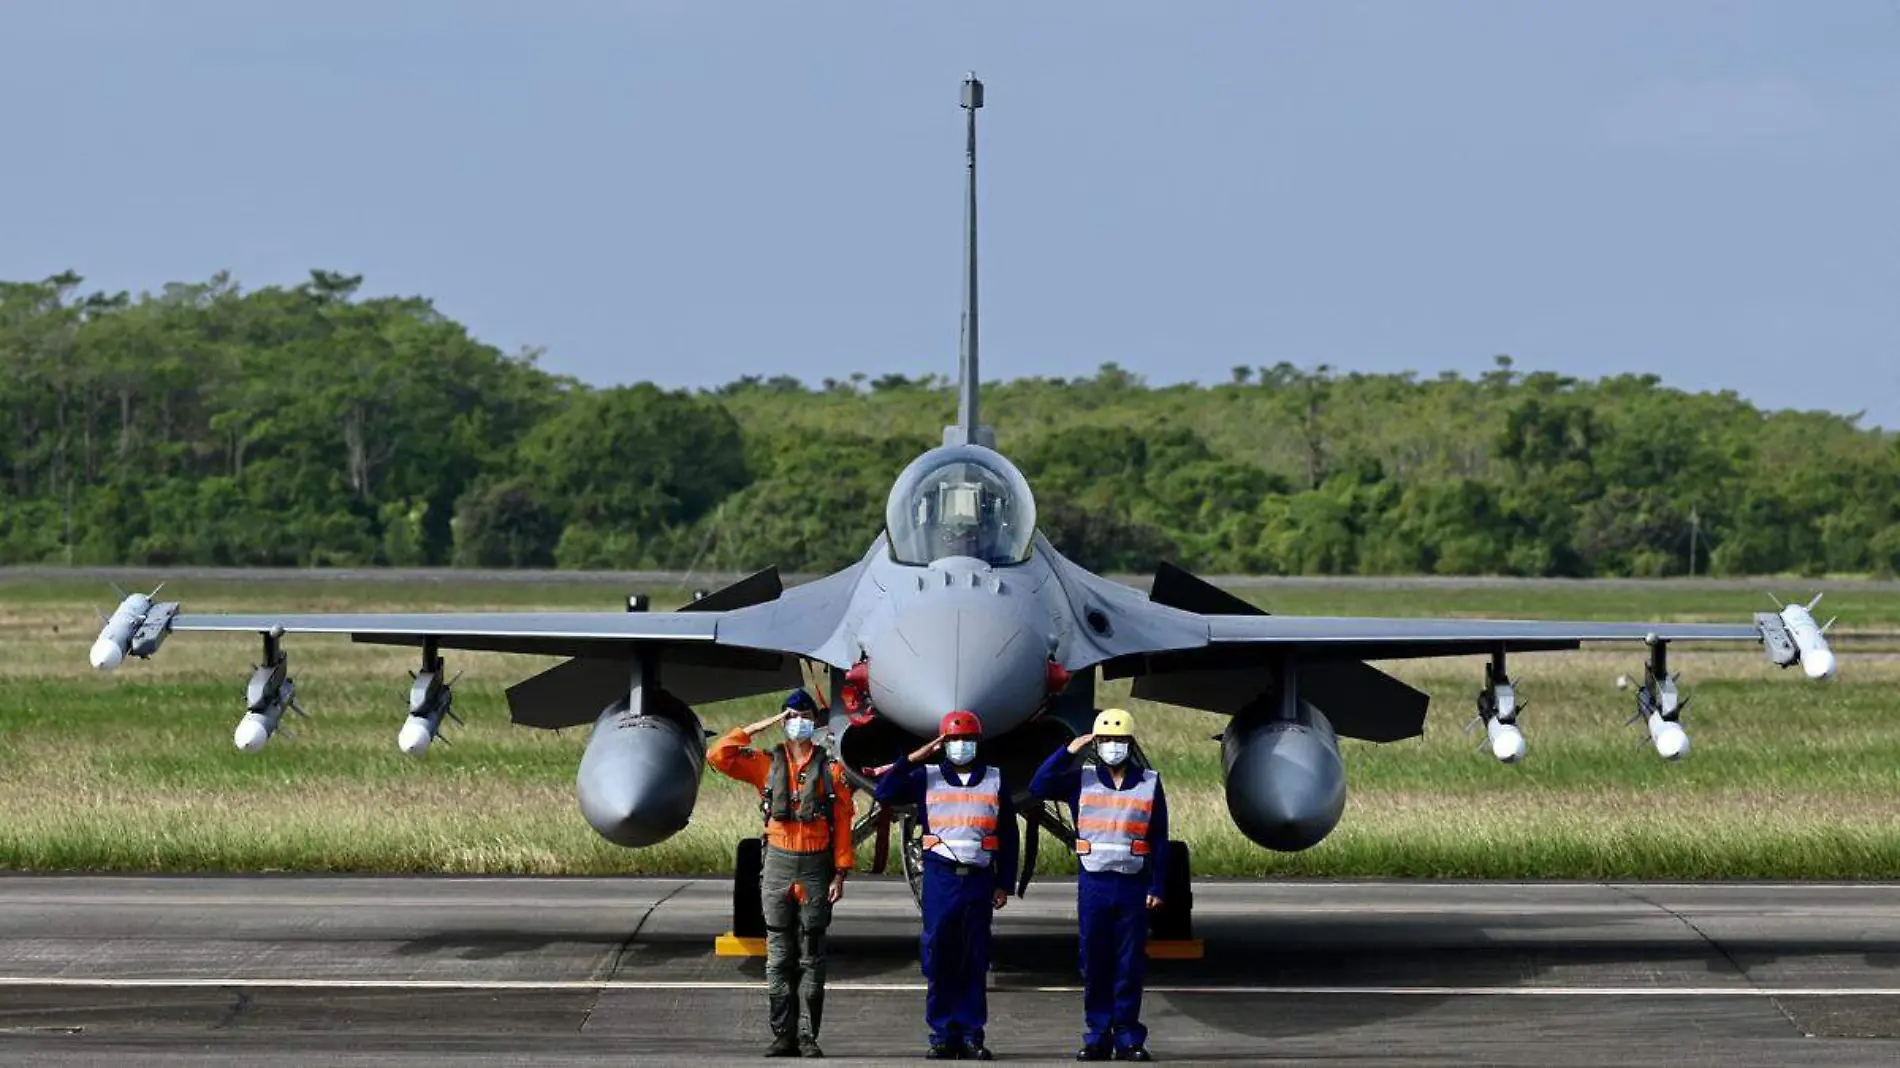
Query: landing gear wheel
910, 845
748, 868
1174, 920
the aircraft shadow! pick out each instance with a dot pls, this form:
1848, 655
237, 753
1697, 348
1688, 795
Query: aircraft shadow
1343, 951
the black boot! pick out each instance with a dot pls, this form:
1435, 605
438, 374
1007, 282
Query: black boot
808, 1046
974, 1050
1134, 1053
783, 1046
1097, 1051
942, 1051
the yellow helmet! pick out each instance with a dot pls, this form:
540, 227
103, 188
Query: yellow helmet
1115, 723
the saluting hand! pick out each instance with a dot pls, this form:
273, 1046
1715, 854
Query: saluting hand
924, 752
1077, 745
766, 722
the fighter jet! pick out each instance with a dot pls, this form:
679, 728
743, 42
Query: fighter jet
959, 602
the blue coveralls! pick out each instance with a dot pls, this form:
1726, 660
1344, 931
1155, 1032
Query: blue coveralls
957, 908
1113, 910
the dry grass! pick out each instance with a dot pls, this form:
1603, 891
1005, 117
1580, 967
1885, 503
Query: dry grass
135, 770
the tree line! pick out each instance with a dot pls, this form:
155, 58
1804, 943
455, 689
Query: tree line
310, 425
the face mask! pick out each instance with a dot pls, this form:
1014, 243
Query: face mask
799, 729
960, 752
1112, 753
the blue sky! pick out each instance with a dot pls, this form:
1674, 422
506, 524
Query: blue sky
688, 192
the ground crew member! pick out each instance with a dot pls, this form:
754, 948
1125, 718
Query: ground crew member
970, 849
808, 814
1121, 827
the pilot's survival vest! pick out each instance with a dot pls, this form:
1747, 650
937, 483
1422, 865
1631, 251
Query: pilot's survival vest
1111, 826
962, 818
810, 799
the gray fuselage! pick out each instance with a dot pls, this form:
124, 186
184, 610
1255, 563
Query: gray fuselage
959, 633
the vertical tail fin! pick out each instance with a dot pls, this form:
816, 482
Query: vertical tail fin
969, 428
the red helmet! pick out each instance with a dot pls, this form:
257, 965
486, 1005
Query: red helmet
957, 723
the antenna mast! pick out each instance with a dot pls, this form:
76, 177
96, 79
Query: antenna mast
969, 380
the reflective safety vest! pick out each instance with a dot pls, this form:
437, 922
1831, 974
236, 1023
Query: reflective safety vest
1111, 826
962, 818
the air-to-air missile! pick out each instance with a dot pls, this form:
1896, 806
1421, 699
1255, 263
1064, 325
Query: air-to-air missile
138, 626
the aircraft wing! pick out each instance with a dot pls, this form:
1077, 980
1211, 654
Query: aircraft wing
1231, 662
736, 641
1398, 638
1236, 665
1248, 643
568, 633
1239, 633
756, 614
743, 639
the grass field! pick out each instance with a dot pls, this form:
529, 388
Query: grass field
135, 770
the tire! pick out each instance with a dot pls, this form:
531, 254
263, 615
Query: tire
910, 844
1174, 920
748, 868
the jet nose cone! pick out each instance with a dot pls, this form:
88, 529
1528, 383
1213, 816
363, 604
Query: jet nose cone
938, 657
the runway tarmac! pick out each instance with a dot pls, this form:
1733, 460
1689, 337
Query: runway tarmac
292, 969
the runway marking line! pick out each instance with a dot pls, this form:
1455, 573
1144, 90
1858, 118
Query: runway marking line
908, 988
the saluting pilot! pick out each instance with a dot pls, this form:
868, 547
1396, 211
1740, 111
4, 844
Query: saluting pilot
1121, 827
808, 853
970, 848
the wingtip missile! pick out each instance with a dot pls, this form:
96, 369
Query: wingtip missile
1791, 635
1817, 659
136, 627
109, 649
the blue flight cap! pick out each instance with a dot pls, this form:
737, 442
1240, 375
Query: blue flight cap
800, 701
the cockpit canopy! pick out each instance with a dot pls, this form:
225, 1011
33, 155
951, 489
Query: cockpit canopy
961, 500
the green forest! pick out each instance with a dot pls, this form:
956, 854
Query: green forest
314, 426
